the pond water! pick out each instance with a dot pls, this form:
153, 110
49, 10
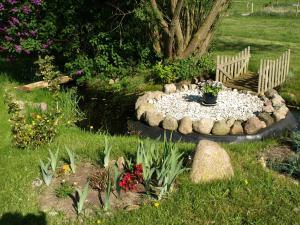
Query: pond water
109, 111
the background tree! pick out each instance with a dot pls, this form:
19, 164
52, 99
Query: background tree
181, 28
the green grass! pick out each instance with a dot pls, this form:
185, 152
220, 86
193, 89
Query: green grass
268, 36
253, 196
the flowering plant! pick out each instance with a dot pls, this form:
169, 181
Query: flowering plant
131, 178
212, 87
20, 29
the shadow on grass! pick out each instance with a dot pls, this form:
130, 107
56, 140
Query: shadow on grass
18, 219
227, 45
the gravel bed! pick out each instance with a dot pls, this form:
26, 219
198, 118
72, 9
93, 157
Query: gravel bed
230, 104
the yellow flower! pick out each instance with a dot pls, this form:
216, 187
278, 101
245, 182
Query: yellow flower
91, 127
66, 168
246, 182
156, 204
98, 221
38, 117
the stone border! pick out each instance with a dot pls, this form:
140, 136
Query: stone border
274, 110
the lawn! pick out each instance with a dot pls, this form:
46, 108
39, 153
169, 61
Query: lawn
268, 36
253, 196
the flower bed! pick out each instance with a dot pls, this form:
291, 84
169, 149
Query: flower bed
179, 108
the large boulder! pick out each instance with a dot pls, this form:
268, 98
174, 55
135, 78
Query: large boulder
253, 125
142, 109
221, 128
169, 88
281, 113
153, 119
142, 100
203, 126
170, 123
186, 125
211, 162
267, 118
271, 93
237, 128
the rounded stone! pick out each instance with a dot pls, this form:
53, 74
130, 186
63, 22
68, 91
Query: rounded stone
186, 125
142, 109
211, 162
277, 101
281, 113
169, 88
253, 125
267, 118
203, 126
153, 119
237, 128
221, 128
170, 123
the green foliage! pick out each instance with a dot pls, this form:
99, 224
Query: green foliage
46, 173
82, 195
53, 159
295, 138
164, 73
48, 72
71, 155
31, 129
64, 190
211, 87
107, 151
108, 192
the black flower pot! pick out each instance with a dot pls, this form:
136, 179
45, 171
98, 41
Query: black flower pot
209, 99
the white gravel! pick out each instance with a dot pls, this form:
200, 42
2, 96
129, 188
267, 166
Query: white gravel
230, 104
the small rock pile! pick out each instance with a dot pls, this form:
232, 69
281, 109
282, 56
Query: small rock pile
241, 113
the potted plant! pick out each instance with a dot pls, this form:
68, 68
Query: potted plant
210, 90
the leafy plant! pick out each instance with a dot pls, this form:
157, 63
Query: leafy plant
82, 195
64, 190
295, 138
211, 87
107, 151
46, 173
53, 159
108, 192
164, 73
71, 159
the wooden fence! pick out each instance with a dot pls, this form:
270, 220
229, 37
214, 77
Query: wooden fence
273, 73
229, 67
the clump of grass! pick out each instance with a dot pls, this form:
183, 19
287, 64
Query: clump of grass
64, 190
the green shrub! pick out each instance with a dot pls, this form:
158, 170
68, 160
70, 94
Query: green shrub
31, 128
164, 73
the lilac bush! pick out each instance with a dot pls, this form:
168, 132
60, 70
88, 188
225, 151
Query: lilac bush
19, 28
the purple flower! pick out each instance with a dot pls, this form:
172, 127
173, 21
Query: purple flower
3, 29
15, 20
26, 9
45, 46
79, 72
36, 2
33, 33
12, 2
1, 7
8, 38
18, 48
14, 10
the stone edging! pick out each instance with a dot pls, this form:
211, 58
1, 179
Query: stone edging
274, 110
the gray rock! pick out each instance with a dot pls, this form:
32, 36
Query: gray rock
221, 128
211, 162
253, 125
169, 88
267, 118
281, 113
142, 100
153, 119
193, 86
237, 128
182, 87
142, 109
157, 95
186, 125
203, 126
170, 123
268, 106
277, 101
271, 93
